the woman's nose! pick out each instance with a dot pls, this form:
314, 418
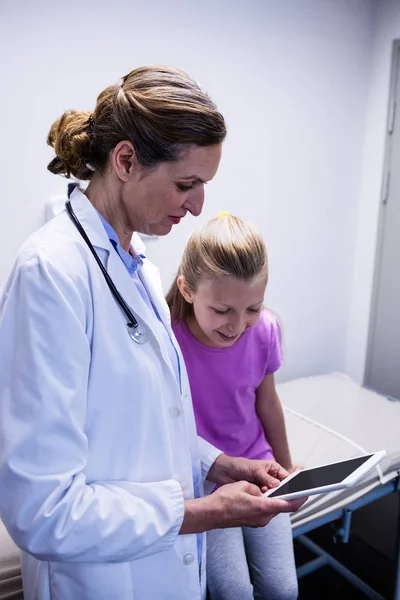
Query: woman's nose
195, 201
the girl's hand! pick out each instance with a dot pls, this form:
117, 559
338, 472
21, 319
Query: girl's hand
294, 468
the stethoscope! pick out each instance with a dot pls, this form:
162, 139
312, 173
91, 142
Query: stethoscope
139, 335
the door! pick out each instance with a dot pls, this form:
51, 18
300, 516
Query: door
383, 360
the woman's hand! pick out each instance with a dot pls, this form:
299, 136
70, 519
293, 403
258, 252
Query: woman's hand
263, 473
239, 504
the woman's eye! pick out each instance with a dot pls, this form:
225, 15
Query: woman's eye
254, 310
184, 188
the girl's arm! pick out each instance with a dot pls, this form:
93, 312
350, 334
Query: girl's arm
270, 413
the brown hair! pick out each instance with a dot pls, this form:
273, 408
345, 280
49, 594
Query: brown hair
158, 109
226, 246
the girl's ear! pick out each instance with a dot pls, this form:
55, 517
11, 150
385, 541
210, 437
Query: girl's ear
184, 289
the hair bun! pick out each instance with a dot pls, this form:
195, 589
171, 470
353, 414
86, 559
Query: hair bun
70, 138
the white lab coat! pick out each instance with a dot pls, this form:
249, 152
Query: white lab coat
97, 440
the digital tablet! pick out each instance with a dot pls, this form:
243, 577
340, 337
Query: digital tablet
327, 478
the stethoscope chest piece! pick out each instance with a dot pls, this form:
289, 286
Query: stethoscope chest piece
137, 334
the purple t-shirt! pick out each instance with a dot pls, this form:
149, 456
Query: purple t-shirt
223, 382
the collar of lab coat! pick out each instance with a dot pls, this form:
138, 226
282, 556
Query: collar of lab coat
148, 273
93, 226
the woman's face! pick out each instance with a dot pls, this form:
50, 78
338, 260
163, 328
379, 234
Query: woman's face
153, 200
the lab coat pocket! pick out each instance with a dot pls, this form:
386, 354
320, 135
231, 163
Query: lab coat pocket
91, 581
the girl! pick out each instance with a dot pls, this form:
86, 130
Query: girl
232, 348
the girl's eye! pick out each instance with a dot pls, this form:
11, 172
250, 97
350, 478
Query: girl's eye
221, 312
183, 188
254, 310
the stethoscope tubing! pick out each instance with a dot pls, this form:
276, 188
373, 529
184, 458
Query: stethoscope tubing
132, 323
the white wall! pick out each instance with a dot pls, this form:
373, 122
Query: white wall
387, 29
291, 77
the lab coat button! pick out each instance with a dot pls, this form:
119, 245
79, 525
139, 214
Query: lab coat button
188, 559
174, 412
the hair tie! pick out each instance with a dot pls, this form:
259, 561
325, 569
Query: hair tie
223, 214
90, 123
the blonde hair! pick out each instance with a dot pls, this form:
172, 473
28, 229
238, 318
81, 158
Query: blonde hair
158, 109
226, 246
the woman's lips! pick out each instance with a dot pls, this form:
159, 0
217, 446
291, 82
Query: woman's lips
175, 220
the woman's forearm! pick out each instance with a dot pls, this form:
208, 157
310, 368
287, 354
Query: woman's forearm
198, 516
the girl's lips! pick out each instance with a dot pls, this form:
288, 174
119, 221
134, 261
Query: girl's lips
227, 338
175, 220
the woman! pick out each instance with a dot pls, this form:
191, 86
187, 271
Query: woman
101, 471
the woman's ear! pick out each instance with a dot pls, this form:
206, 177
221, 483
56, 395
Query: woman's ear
124, 160
184, 289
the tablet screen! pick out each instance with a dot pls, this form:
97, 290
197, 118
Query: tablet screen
320, 476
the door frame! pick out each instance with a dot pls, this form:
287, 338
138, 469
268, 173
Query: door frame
393, 107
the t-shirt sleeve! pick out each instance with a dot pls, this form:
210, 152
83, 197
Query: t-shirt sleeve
275, 349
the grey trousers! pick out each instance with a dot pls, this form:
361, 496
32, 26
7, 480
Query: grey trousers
247, 564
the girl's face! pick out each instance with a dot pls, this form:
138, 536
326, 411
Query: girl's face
223, 308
